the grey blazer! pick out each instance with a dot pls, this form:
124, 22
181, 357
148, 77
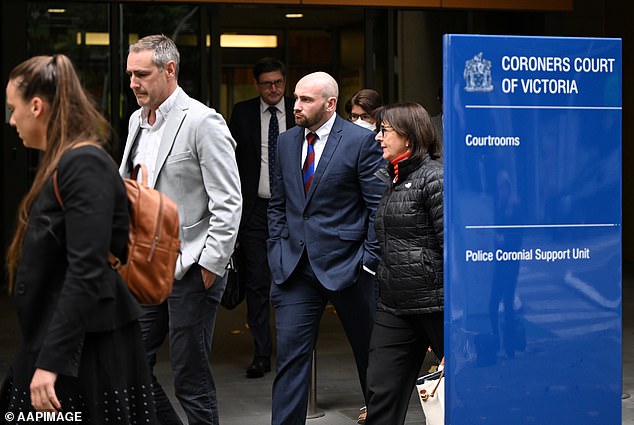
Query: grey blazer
196, 168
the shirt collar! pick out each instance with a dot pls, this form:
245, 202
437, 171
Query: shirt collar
323, 131
265, 106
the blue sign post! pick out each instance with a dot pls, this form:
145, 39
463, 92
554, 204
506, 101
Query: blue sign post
532, 230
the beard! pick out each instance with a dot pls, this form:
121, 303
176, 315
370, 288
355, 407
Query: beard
309, 121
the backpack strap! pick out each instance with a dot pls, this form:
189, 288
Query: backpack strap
114, 262
56, 189
55, 185
144, 173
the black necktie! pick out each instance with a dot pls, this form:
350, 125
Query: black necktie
274, 131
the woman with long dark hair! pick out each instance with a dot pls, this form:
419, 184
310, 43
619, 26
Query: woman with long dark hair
82, 351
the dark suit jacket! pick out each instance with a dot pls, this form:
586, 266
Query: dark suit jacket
334, 221
64, 286
245, 129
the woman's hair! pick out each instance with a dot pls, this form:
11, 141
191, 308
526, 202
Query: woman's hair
73, 118
368, 99
412, 121
378, 116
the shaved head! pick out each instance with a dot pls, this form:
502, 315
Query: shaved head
315, 100
324, 81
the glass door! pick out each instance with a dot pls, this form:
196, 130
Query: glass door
179, 22
307, 39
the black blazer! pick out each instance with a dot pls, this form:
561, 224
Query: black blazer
245, 129
64, 286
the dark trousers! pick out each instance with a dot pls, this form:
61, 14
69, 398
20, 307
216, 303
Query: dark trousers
397, 351
257, 277
188, 317
299, 304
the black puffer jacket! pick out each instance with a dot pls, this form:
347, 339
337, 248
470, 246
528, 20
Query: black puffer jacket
409, 227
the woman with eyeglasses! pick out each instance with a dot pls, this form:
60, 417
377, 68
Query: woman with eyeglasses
361, 109
409, 228
361, 106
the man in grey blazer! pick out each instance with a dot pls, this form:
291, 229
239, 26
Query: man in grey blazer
189, 153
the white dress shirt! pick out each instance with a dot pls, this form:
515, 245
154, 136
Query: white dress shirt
150, 136
318, 145
264, 189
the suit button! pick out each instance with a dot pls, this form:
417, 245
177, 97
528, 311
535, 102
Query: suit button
301, 243
305, 217
20, 290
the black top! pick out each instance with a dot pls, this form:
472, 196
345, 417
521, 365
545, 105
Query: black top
409, 227
64, 286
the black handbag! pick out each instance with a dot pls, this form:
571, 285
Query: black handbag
235, 290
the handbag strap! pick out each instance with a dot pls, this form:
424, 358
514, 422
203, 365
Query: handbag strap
442, 374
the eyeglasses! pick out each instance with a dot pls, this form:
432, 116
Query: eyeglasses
385, 129
270, 84
364, 117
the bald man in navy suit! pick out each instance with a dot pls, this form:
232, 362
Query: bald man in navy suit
322, 247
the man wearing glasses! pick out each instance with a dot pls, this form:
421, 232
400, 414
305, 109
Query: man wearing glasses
255, 125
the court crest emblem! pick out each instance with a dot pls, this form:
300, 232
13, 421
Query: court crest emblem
477, 74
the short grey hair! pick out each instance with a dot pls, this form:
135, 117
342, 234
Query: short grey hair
164, 50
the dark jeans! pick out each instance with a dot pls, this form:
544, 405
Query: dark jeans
188, 317
397, 351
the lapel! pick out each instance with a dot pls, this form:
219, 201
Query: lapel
172, 126
254, 124
125, 169
331, 145
296, 158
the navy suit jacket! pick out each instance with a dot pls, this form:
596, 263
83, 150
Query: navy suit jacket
334, 221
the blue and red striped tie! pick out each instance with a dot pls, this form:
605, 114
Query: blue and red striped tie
308, 170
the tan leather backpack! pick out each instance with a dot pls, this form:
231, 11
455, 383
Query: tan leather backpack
153, 244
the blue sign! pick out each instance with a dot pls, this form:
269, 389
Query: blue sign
532, 230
